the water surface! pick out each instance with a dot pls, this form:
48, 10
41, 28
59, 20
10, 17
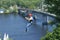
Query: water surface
15, 25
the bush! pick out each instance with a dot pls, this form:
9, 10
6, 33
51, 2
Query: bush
55, 35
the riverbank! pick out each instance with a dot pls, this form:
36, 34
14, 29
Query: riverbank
55, 35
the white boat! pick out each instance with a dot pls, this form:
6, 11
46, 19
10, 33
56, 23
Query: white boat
0, 39
6, 37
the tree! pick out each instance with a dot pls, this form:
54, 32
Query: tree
53, 6
23, 3
55, 35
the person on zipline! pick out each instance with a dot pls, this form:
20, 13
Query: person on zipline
30, 19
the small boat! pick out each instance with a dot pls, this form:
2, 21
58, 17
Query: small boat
6, 36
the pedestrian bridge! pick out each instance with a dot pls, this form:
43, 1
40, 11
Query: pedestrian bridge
46, 17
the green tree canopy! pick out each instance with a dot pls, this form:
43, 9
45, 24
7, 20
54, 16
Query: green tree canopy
23, 3
53, 6
55, 35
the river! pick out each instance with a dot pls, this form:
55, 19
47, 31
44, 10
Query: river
15, 25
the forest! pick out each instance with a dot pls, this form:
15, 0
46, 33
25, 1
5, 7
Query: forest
22, 3
53, 7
